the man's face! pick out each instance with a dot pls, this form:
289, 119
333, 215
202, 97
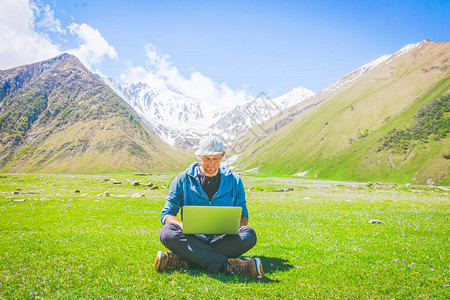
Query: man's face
211, 163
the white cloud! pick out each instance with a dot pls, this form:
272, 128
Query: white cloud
19, 42
25, 30
162, 74
45, 18
140, 74
93, 46
23, 38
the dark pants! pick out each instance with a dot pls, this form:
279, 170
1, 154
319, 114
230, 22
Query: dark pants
209, 252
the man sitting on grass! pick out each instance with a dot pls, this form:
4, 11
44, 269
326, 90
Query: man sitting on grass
213, 253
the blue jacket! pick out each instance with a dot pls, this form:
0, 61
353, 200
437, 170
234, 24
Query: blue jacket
185, 189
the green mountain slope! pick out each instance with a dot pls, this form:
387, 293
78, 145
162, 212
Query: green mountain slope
57, 117
341, 137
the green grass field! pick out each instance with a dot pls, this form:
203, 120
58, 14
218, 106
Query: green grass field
314, 242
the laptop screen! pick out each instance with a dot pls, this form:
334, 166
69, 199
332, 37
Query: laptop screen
211, 219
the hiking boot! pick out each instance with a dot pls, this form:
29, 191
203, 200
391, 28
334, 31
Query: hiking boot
169, 261
250, 267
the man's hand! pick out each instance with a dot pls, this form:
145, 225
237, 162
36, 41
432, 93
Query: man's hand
173, 219
244, 221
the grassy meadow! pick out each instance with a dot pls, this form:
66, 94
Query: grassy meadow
61, 237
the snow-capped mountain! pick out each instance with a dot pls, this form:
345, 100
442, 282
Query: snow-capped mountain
243, 117
182, 121
351, 77
333, 90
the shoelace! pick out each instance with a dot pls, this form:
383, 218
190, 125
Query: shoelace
240, 268
174, 262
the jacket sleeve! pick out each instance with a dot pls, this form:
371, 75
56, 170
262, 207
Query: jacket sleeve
174, 198
240, 198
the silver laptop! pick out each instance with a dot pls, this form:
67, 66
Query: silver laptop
211, 219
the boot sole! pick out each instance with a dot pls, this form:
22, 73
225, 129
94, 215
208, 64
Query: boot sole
158, 260
259, 267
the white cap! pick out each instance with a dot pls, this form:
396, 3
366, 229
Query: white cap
210, 145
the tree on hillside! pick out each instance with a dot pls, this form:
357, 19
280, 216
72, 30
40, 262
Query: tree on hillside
432, 121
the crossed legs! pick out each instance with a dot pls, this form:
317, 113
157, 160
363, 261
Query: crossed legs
208, 252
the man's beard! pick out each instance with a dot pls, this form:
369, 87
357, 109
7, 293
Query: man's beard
209, 171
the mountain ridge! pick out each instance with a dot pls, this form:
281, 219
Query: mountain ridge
338, 138
57, 117
283, 118
182, 121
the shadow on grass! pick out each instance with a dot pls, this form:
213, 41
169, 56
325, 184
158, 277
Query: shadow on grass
270, 265
275, 264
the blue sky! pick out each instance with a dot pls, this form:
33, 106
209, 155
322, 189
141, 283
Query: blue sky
233, 48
